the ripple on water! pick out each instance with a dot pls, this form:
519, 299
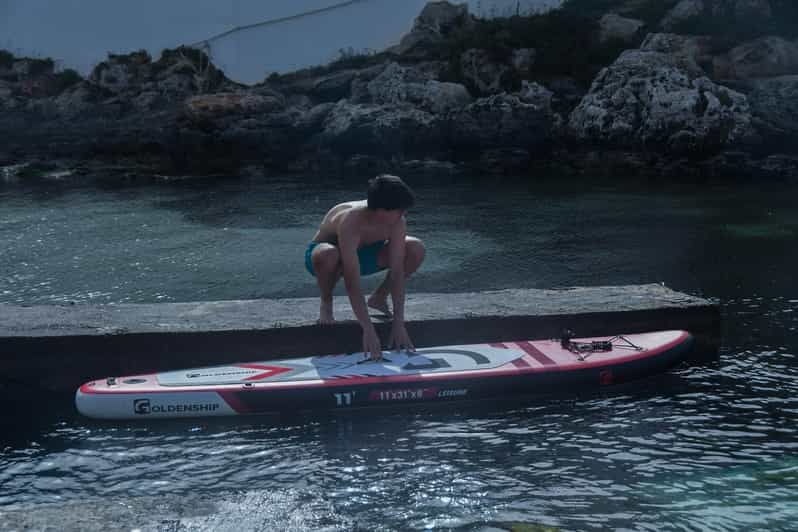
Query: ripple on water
709, 447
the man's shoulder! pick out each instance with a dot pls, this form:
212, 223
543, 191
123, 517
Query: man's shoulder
351, 219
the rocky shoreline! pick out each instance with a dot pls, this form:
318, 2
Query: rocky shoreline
572, 91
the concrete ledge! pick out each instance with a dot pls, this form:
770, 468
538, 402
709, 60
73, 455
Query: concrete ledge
59, 347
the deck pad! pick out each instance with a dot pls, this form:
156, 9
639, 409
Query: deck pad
352, 366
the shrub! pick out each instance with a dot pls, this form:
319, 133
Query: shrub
138, 57
350, 58
6, 59
65, 79
196, 57
651, 12
564, 39
39, 67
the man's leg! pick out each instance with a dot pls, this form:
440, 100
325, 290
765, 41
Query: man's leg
327, 266
414, 256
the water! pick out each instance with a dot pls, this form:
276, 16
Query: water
711, 447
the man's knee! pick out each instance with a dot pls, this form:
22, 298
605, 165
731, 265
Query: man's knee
326, 260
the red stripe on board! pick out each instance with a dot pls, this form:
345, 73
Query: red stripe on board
535, 353
269, 371
233, 402
500, 346
520, 363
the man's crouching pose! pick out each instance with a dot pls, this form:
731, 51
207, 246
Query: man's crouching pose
361, 238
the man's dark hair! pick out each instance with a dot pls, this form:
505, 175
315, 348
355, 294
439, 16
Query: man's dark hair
389, 192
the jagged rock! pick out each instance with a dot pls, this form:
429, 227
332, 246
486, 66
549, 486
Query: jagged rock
443, 97
379, 129
748, 10
441, 17
359, 89
213, 106
328, 87
302, 101
567, 94
774, 102
435, 21
78, 99
682, 12
416, 43
696, 48
312, 120
22, 79
6, 92
779, 166
743, 11
523, 61
693, 46
147, 101
743, 164
270, 92
184, 72
650, 99
31, 68
616, 27
501, 121
397, 84
760, 58
536, 94
333, 87
120, 73
482, 72
278, 132
432, 69
176, 75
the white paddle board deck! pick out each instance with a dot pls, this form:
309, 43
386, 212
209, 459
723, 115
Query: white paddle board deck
343, 381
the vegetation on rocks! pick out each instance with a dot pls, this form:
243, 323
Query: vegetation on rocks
720, 21
6, 59
649, 11
66, 79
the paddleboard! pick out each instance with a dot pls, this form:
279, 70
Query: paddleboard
435, 374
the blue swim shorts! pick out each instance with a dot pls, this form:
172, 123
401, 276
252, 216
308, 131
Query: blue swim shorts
367, 255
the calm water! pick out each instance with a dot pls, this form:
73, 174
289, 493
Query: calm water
711, 447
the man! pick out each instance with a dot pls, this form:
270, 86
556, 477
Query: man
361, 238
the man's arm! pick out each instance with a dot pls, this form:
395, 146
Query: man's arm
396, 247
348, 240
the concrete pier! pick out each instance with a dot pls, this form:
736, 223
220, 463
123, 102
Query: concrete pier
56, 348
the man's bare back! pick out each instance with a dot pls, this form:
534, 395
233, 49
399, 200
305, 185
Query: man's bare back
369, 230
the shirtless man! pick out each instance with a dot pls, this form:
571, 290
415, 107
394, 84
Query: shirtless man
361, 238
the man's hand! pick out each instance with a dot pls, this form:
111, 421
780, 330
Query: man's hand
371, 344
399, 337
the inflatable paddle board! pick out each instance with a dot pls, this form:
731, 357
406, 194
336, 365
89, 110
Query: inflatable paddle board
435, 374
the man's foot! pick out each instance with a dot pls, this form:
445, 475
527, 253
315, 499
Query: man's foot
326, 313
379, 304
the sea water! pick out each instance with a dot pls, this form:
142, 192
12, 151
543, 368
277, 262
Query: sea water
711, 446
